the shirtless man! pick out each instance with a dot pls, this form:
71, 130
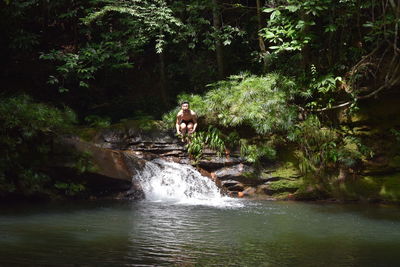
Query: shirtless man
186, 120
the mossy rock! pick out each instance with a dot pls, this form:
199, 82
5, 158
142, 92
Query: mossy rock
286, 170
371, 188
285, 185
309, 191
280, 189
381, 113
143, 126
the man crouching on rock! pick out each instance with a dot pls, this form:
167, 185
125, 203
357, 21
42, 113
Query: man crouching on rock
186, 120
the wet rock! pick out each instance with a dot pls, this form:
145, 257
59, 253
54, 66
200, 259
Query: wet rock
265, 189
237, 188
271, 179
249, 191
229, 183
148, 143
111, 163
240, 172
213, 163
141, 136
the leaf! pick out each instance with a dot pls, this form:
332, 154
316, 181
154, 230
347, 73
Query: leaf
227, 42
292, 8
274, 47
330, 28
83, 84
269, 10
274, 14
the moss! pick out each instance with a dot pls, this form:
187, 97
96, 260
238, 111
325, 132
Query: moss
282, 196
286, 170
147, 126
286, 185
251, 175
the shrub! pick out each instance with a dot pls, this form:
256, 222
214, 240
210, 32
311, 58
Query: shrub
258, 102
322, 149
26, 132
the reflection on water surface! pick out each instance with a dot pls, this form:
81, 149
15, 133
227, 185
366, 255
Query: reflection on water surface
233, 233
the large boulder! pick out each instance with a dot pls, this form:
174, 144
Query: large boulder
107, 170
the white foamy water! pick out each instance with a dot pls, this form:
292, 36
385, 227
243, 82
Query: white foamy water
164, 181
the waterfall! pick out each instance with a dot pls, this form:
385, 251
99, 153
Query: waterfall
165, 181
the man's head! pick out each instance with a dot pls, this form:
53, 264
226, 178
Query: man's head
185, 105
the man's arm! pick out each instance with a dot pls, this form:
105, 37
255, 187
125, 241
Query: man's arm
194, 118
178, 127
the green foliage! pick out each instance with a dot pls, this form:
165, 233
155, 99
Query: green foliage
212, 138
322, 89
232, 140
196, 103
78, 69
196, 30
323, 149
259, 102
384, 27
255, 152
221, 143
83, 162
70, 189
26, 132
154, 18
97, 121
293, 24
262, 103
284, 31
134, 24
396, 134
331, 36
325, 52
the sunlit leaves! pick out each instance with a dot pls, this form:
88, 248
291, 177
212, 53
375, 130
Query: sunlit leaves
155, 17
258, 102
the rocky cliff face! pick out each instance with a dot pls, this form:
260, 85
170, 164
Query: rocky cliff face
120, 151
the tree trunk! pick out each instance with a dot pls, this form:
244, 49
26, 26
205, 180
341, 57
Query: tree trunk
218, 43
163, 79
261, 43
305, 51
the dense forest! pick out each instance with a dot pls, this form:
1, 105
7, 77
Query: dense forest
311, 82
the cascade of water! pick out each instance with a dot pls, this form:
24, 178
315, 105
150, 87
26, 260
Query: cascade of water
168, 181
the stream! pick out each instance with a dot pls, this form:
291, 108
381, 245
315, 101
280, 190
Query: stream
189, 226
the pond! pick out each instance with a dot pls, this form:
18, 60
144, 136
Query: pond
231, 232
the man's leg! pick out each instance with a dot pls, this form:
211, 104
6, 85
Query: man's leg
183, 128
190, 127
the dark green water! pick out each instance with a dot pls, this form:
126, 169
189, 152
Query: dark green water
235, 233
